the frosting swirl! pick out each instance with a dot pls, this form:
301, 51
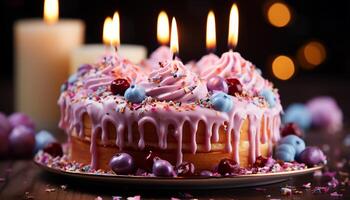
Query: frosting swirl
109, 69
232, 65
206, 63
161, 54
174, 81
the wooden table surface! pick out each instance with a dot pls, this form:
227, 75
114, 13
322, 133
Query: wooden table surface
22, 179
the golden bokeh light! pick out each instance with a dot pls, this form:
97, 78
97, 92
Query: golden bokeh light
311, 55
279, 14
283, 67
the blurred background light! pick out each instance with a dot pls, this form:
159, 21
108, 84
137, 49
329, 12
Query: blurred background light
311, 55
283, 67
278, 14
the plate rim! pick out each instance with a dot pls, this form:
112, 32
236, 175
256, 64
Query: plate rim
154, 178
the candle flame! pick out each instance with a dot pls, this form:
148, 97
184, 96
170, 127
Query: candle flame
233, 27
211, 32
174, 41
108, 31
51, 11
116, 29
163, 28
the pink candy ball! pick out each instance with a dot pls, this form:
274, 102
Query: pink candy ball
217, 83
17, 119
22, 141
325, 113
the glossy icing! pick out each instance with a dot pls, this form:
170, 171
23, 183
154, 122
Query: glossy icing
167, 104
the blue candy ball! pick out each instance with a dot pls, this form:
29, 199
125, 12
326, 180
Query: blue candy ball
285, 152
135, 94
269, 97
222, 102
296, 142
299, 114
42, 139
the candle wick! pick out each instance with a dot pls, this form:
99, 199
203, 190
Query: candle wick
174, 56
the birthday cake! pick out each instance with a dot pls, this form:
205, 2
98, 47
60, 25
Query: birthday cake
219, 108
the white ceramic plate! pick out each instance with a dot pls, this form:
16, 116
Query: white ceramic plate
185, 183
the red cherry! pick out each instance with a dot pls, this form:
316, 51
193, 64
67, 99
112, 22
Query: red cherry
228, 166
291, 129
234, 86
119, 86
54, 149
185, 169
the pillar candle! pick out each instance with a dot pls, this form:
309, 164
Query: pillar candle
42, 64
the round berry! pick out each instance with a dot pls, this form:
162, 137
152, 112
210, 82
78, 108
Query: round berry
122, 163
234, 86
227, 166
285, 152
163, 168
54, 149
185, 169
298, 113
135, 94
22, 141
18, 119
269, 96
222, 102
119, 86
217, 83
312, 156
42, 139
295, 141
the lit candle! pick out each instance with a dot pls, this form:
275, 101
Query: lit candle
163, 28
233, 28
174, 40
211, 33
42, 49
91, 53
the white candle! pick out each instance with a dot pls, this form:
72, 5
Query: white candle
91, 53
42, 50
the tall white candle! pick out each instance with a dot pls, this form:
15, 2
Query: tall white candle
42, 50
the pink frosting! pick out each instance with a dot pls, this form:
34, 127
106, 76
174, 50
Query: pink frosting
206, 63
161, 54
232, 65
177, 90
109, 69
174, 81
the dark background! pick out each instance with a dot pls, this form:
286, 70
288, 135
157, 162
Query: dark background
325, 21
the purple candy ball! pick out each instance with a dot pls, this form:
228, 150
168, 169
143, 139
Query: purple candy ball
325, 113
217, 83
17, 119
163, 168
22, 141
5, 126
122, 163
312, 156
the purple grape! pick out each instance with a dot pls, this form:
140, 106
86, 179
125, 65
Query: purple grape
312, 156
22, 141
122, 163
163, 168
17, 119
206, 173
5, 126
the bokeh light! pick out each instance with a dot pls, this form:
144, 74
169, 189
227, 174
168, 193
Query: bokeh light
283, 67
279, 14
312, 54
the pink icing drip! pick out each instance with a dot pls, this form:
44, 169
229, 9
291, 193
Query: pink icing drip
161, 119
